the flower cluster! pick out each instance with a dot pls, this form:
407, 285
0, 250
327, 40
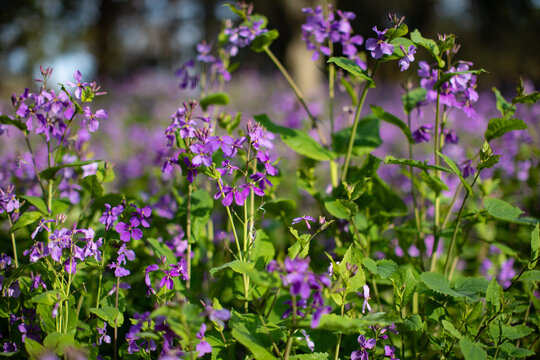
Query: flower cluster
322, 32
243, 35
171, 271
459, 92
305, 287
8, 200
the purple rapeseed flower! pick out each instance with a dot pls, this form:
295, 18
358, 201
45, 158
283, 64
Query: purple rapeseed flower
379, 47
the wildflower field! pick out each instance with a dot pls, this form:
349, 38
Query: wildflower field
237, 218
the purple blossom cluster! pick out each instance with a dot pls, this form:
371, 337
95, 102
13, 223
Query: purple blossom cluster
304, 286
48, 113
8, 200
459, 92
380, 47
169, 271
243, 35
322, 32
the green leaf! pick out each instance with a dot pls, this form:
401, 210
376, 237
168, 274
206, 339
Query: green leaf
48, 174
348, 325
494, 295
502, 210
214, 99
471, 287
312, 356
433, 182
264, 40
58, 342
367, 137
398, 53
413, 323
110, 314
93, 186
411, 99
395, 33
428, 44
263, 250
33, 348
531, 275
414, 163
297, 140
499, 126
448, 75
350, 90
248, 331
47, 298
448, 326
384, 268
471, 350
535, 247
239, 266
456, 171
531, 98
283, 207
353, 68
27, 218
438, 283
105, 173
513, 351
162, 250
37, 202
515, 332
341, 208
505, 108
353, 256
489, 162
390, 203
6, 120
391, 119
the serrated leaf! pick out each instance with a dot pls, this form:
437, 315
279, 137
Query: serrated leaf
391, 119
110, 314
92, 185
366, 140
499, 126
6, 120
448, 326
348, 325
502, 210
413, 323
456, 171
239, 266
26, 218
505, 108
161, 249
247, 330
49, 173
428, 44
297, 140
490, 162
263, 250
531, 275
264, 40
471, 287
47, 298
471, 350
515, 332
494, 294
352, 67
312, 356
33, 348
414, 163
37, 202
214, 99
384, 268
411, 99
513, 351
58, 342
390, 203
535, 247
438, 283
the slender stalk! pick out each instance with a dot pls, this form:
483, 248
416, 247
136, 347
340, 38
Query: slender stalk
13, 243
458, 221
99, 281
291, 331
115, 353
436, 148
188, 235
297, 92
340, 335
359, 107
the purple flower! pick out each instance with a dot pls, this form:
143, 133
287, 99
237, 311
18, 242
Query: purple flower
124, 253
306, 218
217, 316
265, 159
78, 85
390, 351
238, 194
362, 354
110, 215
93, 122
379, 47
129, 231
141, 214
310, 343
147, 280
408, 57
466, 168
41, 226
103, 334
366, 297
203, 347
450, 136
118, 270
422, 134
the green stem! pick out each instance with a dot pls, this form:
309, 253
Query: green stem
359, 107
458, 221
115, 353
188, 236
436, 149
13, 242
340, 335
296, 91
291, 331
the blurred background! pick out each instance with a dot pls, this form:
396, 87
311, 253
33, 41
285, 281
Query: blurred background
111, 40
